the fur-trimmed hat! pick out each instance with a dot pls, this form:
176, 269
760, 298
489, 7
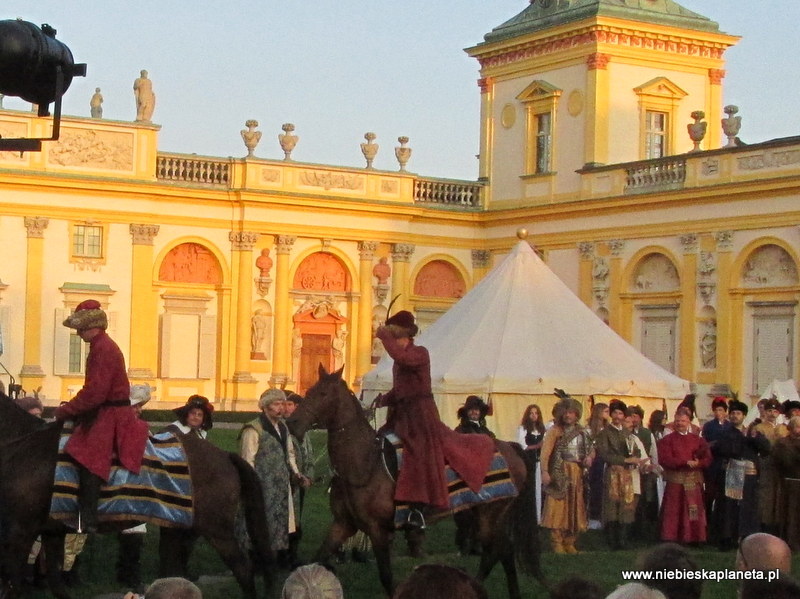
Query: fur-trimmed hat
87, 315
635, 409
617, 404
473, 402
293, 397
270, 396
737, 406
140, 394
404, 321
789, 405
772, 404
565, 404
197, 401
720, 402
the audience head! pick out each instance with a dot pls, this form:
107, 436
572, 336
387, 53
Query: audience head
656, 422
762, 551
173, 588
635, 590
576, 588
669, 557
31, 404
785, 587
312, 582
437, 581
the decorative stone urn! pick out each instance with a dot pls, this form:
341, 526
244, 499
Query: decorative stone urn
402, 153
287, 140
731, 124
251, 137
370, 149
697, 130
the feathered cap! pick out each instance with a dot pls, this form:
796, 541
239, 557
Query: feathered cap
688, 404
617, 404
404, 323
197, 401
737, 406
87, 315
566, 403
772, 404
720, 402
473, 402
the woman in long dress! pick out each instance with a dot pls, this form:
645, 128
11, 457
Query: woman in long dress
530, 435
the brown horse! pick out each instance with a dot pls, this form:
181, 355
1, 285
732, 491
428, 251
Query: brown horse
221, 482
362, 492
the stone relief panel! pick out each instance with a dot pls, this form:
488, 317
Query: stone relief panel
769, 266
331, 180
94, 149
190, 263
13, 130
439, 278
322, 272
655, 273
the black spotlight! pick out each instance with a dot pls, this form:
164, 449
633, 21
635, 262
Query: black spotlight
35, 66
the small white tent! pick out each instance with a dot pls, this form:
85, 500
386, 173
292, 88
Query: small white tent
519, 334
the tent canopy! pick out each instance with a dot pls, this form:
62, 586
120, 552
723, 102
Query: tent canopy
522, 331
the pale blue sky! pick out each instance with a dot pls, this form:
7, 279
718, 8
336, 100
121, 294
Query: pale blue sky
340, 68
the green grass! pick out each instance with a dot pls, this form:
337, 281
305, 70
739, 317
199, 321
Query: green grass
360, 581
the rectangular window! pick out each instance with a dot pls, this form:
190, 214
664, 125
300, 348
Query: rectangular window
87, 241
77, 354
544, 138
655, 134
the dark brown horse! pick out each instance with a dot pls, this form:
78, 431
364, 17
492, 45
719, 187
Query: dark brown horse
362, 492
221, 482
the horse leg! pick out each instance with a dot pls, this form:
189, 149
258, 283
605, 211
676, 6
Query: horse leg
381, 547
53, 548
228, 549
174, 547
510, 567
338, 533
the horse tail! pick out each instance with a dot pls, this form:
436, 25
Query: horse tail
255, 515
524, 525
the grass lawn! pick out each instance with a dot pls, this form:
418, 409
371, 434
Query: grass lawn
360, 581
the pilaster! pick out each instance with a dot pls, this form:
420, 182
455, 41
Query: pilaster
401, 256
586, 280
727, 323
242, 242
282, 335
31, 373
366, 253
143, 350
686, 310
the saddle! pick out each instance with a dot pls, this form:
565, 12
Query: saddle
497, 484
160, 494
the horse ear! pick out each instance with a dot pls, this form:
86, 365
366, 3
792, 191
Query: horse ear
338, 373
322, 371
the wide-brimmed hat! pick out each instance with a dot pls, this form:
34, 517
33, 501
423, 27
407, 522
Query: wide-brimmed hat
197, 401
87, 315
404, 321
473, 402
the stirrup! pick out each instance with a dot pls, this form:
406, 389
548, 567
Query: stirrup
415, 521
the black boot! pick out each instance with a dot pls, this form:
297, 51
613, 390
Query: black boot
610, 529
622, 535
88, 497
129, 563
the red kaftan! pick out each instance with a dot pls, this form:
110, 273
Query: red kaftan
116, 429
427, 442
683, 515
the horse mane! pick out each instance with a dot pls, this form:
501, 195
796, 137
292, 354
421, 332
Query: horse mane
14, 421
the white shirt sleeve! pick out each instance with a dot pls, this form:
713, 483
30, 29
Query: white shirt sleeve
248, 445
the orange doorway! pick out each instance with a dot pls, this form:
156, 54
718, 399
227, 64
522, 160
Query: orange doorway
316, 350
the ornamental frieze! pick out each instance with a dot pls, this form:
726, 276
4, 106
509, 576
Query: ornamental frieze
93, 149
330, 180
769, 159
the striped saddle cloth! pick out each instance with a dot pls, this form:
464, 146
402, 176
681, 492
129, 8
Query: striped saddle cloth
160, 494
496, 485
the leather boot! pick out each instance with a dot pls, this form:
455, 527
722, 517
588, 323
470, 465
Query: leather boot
557, 539
88, 497
569, 541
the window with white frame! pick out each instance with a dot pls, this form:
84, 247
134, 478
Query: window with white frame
656, 130
540, 100
87, 241
659, 103
544, 139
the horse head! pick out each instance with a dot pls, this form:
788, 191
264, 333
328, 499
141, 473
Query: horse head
319, 406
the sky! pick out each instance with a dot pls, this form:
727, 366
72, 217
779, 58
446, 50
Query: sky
338, 69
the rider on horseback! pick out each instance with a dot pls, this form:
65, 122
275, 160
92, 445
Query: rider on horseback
428, 444
105, 422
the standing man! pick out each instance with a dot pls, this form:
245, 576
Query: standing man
714, 493
738, 452
304, 454
265, 445
769, 480
683, 455
619, 498
646, 518
105, 423
566, 451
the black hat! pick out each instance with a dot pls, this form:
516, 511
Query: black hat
772, 404
473, 402
789, 405
634, 409
737, 406
293, 397
688, 403
403, 320
197, 401
617, 404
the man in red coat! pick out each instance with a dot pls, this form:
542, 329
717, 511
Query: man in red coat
683, 455
428, 444
105, 422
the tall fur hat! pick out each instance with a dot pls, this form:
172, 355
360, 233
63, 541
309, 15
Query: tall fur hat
473, 402
565, 404
403, 320
737, 406
635, 409
270, 396
789, 405
197, 401
87, 315
617, 404
720, 402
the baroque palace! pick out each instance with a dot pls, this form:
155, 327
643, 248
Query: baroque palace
602, 132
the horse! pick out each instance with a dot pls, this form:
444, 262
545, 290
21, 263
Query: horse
221, 481
362, 490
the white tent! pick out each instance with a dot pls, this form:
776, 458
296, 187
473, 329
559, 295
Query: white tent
519, 334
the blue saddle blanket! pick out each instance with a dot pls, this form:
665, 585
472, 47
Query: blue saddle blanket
497, 484
160, 494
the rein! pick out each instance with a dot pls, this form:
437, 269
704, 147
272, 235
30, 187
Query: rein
337, 437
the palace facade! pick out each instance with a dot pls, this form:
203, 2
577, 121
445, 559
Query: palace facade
602, 133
